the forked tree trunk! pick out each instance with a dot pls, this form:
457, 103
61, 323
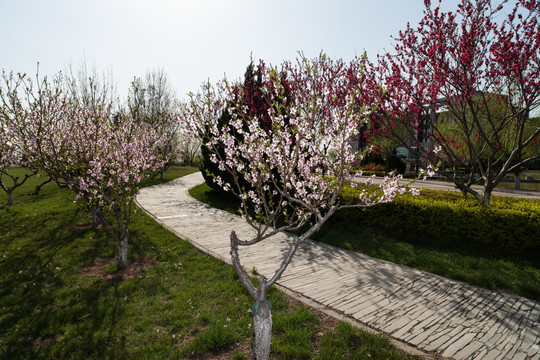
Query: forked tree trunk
486, 198
262, 316
121, 235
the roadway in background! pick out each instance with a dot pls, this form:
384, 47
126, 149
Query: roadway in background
449, 186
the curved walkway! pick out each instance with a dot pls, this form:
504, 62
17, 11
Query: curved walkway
427, 311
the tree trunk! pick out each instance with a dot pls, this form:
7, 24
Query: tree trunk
262, 331
95, 217
121, 235
517, 182
487, 198
123, 251
9, 197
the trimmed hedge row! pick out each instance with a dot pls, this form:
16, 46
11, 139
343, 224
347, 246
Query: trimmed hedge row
507, 224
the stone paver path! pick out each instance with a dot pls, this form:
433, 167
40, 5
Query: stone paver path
427, 311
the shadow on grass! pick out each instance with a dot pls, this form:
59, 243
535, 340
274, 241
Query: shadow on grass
42, 254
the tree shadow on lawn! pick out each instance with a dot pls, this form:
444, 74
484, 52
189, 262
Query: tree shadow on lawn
362, 285
42, 296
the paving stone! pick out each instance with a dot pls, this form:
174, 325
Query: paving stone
534, 315
426, 318
436, 345
506, 350
529, 337
418, 338
456, 345
492, 340
507, 343
404, 330
479, 355
492, 355
527, 306
456, 331
397, 325
534, 349
468, 350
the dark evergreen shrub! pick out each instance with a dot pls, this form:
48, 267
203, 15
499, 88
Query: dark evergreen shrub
256, 103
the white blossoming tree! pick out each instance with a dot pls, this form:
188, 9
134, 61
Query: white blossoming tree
303, 149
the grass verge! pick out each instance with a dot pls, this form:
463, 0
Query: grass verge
61, 296
488, 268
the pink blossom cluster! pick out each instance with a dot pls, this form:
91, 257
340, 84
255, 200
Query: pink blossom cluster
12, 150
9, 153
101, 156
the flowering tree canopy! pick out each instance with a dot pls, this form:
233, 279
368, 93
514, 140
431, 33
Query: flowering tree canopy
10, 157
295, 161
464, 83
256, 101
152, 100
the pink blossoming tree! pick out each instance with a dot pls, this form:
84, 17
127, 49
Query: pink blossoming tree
103, 158
13, 113
10, 158
296, 164
463, 85
152, 100
101, 155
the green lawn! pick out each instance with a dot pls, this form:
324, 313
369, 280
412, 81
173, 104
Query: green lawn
491, 269
60, 297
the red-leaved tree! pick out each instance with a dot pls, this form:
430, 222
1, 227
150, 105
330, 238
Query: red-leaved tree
459, 89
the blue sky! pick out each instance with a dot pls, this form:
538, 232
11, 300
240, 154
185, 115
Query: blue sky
193, 40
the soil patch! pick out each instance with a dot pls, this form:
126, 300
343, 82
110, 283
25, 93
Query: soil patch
99, 269
83, 226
